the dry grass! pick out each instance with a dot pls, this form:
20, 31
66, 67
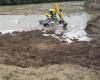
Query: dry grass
54, 72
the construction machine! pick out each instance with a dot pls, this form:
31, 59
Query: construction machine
54, 17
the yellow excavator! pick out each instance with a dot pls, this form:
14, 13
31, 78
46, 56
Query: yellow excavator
54, 16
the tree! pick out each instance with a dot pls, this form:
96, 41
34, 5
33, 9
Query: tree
9, 2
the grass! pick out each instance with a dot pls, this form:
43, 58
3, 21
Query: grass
54, 72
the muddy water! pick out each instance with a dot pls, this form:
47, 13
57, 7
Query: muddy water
10, 23
75, 29
77, 23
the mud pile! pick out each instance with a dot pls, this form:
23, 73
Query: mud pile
93, 27
32, 49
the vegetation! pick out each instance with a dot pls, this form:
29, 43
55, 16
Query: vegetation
13, 2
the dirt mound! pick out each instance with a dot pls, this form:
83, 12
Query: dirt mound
31, 49
93, 28
94, 25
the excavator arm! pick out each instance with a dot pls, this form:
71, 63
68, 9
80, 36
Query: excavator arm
57, 11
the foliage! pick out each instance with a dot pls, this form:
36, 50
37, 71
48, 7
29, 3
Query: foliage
12, 2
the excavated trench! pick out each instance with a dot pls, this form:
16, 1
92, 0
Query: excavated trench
32, 49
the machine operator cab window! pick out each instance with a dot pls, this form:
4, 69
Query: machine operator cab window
52, 15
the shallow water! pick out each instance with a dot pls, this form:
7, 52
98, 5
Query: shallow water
10, 23
75, 29
77, 23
